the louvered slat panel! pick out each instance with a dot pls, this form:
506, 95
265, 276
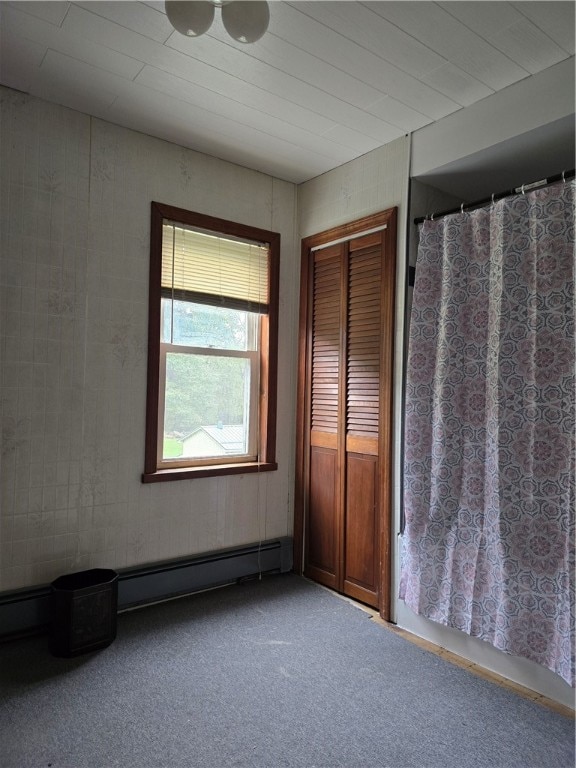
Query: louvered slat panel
363, 351
325, 345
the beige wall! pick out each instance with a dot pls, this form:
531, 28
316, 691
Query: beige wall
374, 182
75, 209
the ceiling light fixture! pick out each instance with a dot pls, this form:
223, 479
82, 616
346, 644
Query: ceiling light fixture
244, 20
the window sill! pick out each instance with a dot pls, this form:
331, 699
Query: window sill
191, 473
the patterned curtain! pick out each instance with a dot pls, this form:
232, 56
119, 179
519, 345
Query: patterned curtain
490, 427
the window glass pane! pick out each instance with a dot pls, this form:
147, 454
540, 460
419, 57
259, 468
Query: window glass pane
203, 325
206, 406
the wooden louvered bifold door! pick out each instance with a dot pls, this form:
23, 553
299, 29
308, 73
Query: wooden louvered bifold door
363, 359
342, 511
323, 521
344, 364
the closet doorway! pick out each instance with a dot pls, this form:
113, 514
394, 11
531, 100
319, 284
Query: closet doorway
345, 378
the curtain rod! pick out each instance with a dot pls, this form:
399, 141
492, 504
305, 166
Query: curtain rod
515, 191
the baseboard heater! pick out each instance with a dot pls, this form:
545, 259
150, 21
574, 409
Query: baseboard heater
27, 611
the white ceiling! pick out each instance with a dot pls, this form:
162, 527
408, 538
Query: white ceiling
328, 82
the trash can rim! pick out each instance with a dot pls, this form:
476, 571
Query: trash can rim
92, 577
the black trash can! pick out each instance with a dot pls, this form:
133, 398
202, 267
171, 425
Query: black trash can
84, 609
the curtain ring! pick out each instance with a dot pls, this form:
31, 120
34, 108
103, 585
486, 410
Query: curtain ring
563, 177
461, 207
522, 188
492, 198
431, 217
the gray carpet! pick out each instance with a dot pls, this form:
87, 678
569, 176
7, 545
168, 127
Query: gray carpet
266, 674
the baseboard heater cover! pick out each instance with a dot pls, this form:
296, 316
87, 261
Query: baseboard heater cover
27, 611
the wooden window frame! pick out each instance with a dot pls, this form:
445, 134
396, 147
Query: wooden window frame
268, 349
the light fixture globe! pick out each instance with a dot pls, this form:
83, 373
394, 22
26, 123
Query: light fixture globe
246, 20
190, 17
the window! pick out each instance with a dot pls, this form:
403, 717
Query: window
212, 347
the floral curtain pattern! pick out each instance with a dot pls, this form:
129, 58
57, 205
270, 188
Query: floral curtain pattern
489, 456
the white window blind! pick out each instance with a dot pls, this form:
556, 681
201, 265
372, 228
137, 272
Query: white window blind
208, 269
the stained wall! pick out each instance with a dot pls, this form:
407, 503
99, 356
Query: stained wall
75, 208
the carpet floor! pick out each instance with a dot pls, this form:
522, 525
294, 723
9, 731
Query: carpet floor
271, 673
